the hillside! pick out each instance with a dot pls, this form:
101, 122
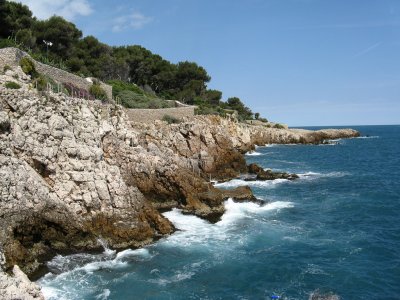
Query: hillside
140, 78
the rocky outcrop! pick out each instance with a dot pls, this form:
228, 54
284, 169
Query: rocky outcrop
18, 287
73, 171
263, 175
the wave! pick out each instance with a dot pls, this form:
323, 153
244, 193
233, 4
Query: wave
194, 231
254, 153
315, 175
368, 137
82, 270
104, 295
257, 183
276, 145
235, 211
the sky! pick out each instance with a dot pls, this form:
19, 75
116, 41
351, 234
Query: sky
299, 62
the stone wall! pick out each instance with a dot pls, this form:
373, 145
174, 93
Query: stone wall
150, 115
12, 56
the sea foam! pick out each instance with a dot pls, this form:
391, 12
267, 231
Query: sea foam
254, 153
257, 183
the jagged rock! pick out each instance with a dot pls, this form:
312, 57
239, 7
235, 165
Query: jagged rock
18, 287
267, 174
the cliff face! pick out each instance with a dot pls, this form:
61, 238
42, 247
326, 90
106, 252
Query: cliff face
73, 171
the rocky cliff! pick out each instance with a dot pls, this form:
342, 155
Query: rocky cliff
73, 171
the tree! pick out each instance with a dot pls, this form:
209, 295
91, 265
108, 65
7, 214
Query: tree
14, 17
243, 111
63, 34
213, 96
257, 115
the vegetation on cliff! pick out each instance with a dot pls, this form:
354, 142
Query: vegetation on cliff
133, 65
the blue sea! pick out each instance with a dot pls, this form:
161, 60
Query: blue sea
335, 231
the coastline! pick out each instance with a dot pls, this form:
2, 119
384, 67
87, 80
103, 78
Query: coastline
74, 171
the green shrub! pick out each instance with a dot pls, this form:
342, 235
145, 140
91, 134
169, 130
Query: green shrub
40, 83
130, 99
120, 86
279, 126
6, 68
12, 85
28, 67
97, 91
170, 119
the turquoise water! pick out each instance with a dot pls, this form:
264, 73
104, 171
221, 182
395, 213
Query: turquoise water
336, 230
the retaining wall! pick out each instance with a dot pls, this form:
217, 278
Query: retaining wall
150, 115
12, 56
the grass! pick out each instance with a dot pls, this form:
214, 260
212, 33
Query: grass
12, 85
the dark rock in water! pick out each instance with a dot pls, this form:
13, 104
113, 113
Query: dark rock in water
240, 194
267, 174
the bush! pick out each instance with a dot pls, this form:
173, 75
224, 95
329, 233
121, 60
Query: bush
6, 68
12, 85
170, 119
279, 126
130, 99
97, 91
120, 86
28, 67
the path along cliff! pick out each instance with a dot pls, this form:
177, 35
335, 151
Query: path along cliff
74, 171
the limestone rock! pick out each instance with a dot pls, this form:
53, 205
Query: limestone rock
72, 170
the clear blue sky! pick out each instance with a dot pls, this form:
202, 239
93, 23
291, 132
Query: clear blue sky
301, 62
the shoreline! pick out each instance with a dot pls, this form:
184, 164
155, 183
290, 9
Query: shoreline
75, 170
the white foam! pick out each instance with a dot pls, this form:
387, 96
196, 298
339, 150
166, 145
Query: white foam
196, 231
368, 137
142, 252
315, 175
103, 243
235, 211
51, 293
104, 295
254, 153
256, 183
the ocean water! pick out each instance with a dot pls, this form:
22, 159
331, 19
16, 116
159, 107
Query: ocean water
334, 231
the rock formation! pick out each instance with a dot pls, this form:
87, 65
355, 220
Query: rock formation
72, 171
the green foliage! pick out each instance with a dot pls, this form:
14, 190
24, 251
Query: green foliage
28, 67
12, 85
43, 83
62, 34
171, 119
138, 76
244, 112
257, 116
14, 17
55, 62
130, 99
119, 86
97, 91
213, 96
40, 83
279, 126
6, 68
